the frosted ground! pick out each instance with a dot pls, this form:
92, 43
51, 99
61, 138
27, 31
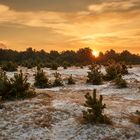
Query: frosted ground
55, 114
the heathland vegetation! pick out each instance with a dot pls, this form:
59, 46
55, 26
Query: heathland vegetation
18, 87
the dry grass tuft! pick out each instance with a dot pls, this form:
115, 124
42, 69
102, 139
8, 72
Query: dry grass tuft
135, 119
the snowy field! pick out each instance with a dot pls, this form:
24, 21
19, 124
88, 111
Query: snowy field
55, 114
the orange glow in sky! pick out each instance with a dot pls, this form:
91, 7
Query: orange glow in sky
95, 53
70, 24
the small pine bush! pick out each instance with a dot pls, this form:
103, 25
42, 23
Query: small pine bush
95, 75
130, 66
54, 66
120, 82
20, 87
41, 81
58, 80
65, 65
1, 106
29, 64
5, 86
9, 66
71, 81
15, 88
124, 69
113, 69
81, 66
95, 107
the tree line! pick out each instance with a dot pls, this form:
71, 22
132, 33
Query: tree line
83, 56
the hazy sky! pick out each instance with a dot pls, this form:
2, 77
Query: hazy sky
70, 24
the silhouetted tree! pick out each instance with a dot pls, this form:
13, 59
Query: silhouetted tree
85, 56
32, 58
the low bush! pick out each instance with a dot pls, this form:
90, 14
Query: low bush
5, 86
20, 86
41, 80
1, 105
95, 107
95, 75
58, 80
81, 66
48, 65
29, 66
130, 66
54, 66
124, 69
26, 64
15, 88
65, 65
120, 82
9, 66
71, 80
113, 69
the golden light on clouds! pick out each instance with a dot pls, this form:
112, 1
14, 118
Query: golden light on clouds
62, 25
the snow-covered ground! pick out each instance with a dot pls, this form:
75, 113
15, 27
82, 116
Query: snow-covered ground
55, 114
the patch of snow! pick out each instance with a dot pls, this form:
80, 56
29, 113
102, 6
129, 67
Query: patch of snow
77, 87
72, 108
18, 118
134, 74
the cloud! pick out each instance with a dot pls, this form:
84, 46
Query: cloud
37, 19
111, 6
2, 46
3, 8
97, 24
47, 5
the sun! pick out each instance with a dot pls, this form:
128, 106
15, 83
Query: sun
95, 53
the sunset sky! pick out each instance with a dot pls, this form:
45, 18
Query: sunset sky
70, 24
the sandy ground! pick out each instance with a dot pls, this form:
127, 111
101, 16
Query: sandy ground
55, 114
